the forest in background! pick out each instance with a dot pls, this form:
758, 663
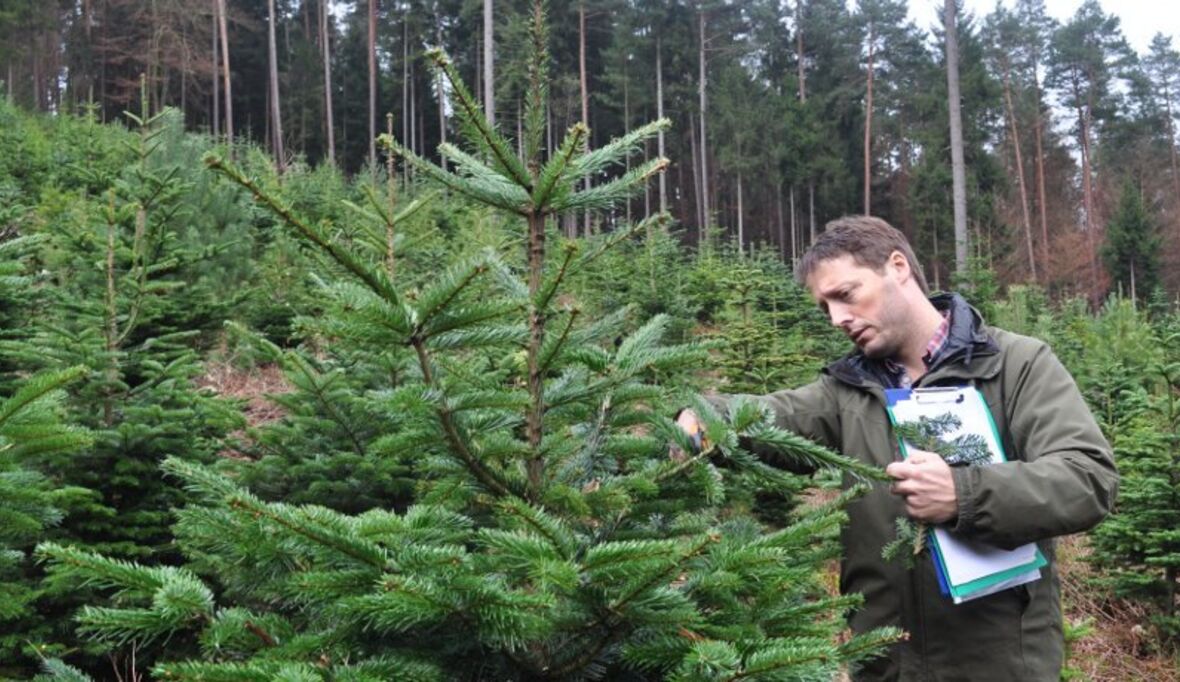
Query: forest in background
262, 418
785, 114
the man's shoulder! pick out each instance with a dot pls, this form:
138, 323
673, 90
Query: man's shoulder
1016, 346
1013, 341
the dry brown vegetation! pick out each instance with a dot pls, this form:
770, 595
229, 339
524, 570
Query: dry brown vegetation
1121, 647
252, 388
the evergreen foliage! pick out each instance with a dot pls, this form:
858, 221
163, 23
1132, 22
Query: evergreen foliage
330, 445
133, 320
1132, 249
550, 536
1139, 545
30, 429
119, 292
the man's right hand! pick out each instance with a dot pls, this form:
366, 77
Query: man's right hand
692, 426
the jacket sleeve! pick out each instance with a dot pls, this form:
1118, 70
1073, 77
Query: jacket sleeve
1062, 477
810, 411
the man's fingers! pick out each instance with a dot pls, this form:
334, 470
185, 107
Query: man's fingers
919, 456
903, 487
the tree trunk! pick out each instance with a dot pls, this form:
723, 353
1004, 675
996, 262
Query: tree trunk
1087, 189
325, 44
803, 99
489, 90
442, 107
1134, 298
1032, 263
741, 235
627, 126
276, 110
1171, 140
225, 70
799, 50
958, 170
414, 146
660, 115
585, 97
935, 263
868, 125
794, 230
696, 177
407, 141
1041, 202
390, 225
778, 209
216, 118
372, 56
704, 141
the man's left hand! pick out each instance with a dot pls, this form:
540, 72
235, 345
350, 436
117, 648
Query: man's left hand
924, 479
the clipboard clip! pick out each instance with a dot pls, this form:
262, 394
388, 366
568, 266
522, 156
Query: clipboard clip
940, 394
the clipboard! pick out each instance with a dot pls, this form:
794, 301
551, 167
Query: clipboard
967, 568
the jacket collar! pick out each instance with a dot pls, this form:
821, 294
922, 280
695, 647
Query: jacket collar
969, 352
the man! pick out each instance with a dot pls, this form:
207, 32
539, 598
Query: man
1060, 477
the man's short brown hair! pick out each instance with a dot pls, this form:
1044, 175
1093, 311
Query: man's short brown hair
870, 241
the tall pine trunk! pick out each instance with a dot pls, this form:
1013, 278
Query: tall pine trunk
216, 117
1171, 140
660, 115
489, 89
958, 170
778, 209
704, 147
406, 114
1087, 186
794, 230
741, 235
803, 100
371, 50
228, 89
1038, 125
276, 109
442, 107
325, 45
696, 177
585, 95
868, 142
1032, 263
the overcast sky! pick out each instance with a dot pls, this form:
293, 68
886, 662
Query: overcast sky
1139, 19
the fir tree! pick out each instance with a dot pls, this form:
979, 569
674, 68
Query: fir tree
552, 538
1138, 546
30, 503
1132, 248
133, 321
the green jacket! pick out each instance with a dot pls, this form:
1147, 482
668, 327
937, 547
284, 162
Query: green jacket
1060, 479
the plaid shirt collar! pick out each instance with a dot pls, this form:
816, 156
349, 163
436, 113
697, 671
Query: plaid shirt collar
934, 348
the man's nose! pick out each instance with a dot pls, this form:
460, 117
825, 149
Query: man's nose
839, 314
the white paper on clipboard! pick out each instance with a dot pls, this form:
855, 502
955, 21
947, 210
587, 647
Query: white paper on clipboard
965, 560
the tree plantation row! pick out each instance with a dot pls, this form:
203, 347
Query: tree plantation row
784, 114
465, 474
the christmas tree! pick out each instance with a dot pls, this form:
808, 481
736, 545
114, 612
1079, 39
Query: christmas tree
551, 537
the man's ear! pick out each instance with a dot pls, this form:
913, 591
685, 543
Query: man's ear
899, 265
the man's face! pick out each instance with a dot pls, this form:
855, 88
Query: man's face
864, 303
